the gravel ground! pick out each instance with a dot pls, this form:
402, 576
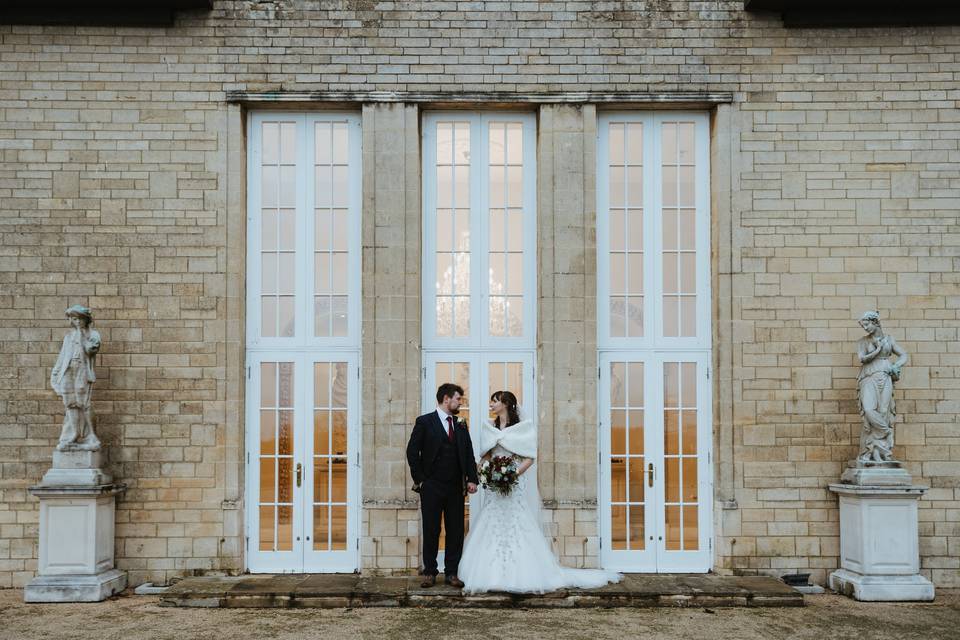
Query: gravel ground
132, 617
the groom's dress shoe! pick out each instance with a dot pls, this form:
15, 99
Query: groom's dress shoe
428, 581
454, 581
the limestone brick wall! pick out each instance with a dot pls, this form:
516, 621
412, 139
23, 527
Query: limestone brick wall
835, 188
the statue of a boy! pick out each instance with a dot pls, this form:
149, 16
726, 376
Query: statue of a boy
72, 378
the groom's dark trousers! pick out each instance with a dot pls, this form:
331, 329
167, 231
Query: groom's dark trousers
439, 468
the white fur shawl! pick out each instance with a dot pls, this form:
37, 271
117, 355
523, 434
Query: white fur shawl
520, 439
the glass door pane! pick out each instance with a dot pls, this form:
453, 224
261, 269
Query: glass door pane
687, 485
506, 376
680, 456
453, 229
331, 495
277, 233
330, 456
627, 456
276, 456
625, 252
331, 228
505, 229
678, 224
274, 448
628, 504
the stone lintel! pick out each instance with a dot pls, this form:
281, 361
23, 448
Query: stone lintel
686, 99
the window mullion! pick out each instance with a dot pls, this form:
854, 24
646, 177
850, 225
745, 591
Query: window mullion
480, 229
653, 232
306, 202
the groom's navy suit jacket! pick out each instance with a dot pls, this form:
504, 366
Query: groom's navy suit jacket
428, 435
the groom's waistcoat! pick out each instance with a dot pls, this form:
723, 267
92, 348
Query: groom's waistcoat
446, 467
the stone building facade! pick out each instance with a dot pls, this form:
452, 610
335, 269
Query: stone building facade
834, 186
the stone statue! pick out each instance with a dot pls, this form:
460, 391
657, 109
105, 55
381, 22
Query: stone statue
72, 378
876, 379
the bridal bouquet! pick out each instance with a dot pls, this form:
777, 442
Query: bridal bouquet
499, 474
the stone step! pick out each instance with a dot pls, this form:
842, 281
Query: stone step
349, 590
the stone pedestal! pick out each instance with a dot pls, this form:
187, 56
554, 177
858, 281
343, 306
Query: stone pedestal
879, 548
76, 532
76, 468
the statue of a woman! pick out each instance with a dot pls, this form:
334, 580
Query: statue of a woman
876, 379
72, 378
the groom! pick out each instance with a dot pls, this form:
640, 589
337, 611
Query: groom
440, 456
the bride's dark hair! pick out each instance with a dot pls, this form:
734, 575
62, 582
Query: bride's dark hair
510, 400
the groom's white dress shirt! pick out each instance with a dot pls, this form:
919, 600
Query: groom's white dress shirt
443, 418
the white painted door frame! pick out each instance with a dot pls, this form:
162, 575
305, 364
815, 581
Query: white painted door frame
303, 348
653, 348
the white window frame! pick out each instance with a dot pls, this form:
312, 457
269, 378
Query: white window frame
305, 201
653, 337
303, 348
479, 231
653, 348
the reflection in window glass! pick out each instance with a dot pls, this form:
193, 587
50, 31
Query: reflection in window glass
331, 231
277, 229
505, 376
330, 455
678, 256
453, 229
627, 456
276, 451
625, 223
505, 255
680, 455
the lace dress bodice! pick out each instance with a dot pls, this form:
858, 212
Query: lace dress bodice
506, 511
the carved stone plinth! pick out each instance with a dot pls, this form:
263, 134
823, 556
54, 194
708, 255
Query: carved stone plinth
875, 473
76, 544
76, 468
879, 547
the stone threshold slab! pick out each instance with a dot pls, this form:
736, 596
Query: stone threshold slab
339, 590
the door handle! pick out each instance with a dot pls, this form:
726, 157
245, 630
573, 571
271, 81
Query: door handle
650, 475
299, 473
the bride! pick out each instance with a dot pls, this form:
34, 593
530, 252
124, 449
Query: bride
506, 549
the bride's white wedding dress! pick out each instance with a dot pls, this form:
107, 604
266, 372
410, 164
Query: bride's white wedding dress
505, 549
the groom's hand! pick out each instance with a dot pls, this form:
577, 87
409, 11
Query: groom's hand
471, 488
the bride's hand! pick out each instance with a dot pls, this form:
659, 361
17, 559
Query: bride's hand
525, 464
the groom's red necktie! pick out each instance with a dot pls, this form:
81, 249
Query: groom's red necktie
450, 428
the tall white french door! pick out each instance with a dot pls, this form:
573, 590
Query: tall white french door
303, 343
304, 463
654, 338
655, 493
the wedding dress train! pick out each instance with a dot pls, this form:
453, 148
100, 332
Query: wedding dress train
506, 549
